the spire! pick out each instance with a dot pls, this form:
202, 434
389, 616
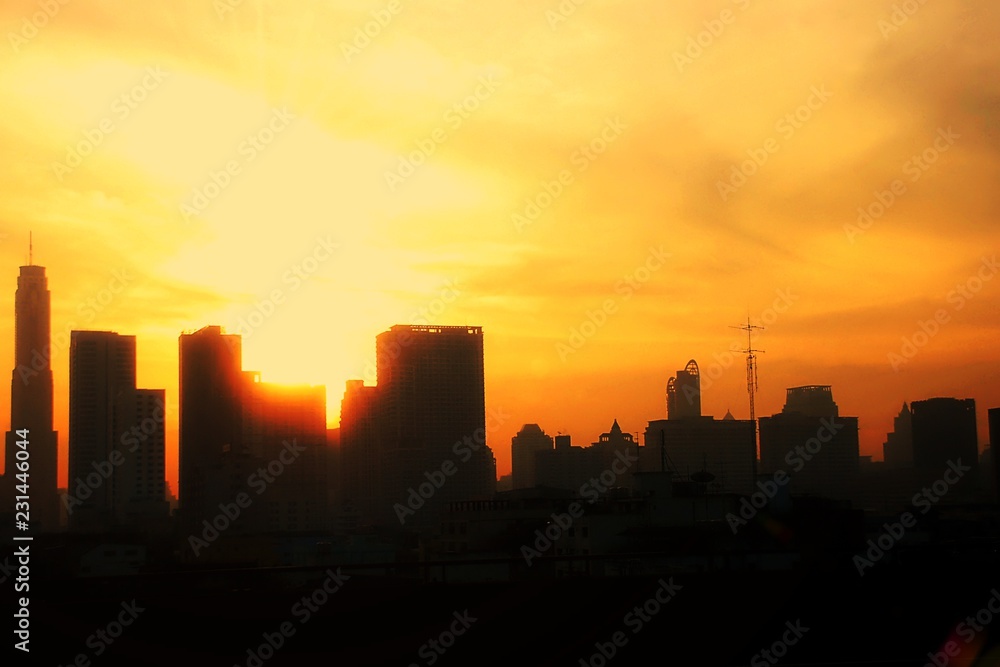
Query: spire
615, 428
31, 250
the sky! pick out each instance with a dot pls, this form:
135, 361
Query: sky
607, 187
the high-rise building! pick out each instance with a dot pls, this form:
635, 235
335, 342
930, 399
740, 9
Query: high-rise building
116, 437
897, 451
944, 430
684, 393
428, 409
211, 420
812, 443
524, 446
239, 435
31, 399
101, 373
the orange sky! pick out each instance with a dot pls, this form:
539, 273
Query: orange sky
625, 123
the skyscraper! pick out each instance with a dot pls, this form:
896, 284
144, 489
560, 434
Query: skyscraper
944, 429
897, 451
116, 431
812, 443
211, 419
684, 393
428, 409
31, 397
101, 373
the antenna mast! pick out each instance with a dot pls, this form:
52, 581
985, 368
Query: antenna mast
751, 368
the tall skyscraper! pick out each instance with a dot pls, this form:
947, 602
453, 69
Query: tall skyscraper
812, 443
944, 429
428, 409
31, 397
684, 393
211, 419
116, 436
101, 373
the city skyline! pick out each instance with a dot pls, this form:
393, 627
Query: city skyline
502, 453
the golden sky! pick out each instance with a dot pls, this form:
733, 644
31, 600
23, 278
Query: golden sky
662, 168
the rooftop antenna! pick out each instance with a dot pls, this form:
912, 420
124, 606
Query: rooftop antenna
31, 250
751, 369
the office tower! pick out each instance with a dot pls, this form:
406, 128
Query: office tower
360, 480
684, 393
523, 448
897, 451
428, 411
116, 437
211, 421
140, 481
31, 399
101, 372
812, 443
287, 424
944, 430
726, 449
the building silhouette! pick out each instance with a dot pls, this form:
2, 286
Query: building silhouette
684, 393
725, 449
812, 443
116, 437
31, 399
211, 420
523, 448
568, 468
240, 435
944, 430
897, 451
428, 408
